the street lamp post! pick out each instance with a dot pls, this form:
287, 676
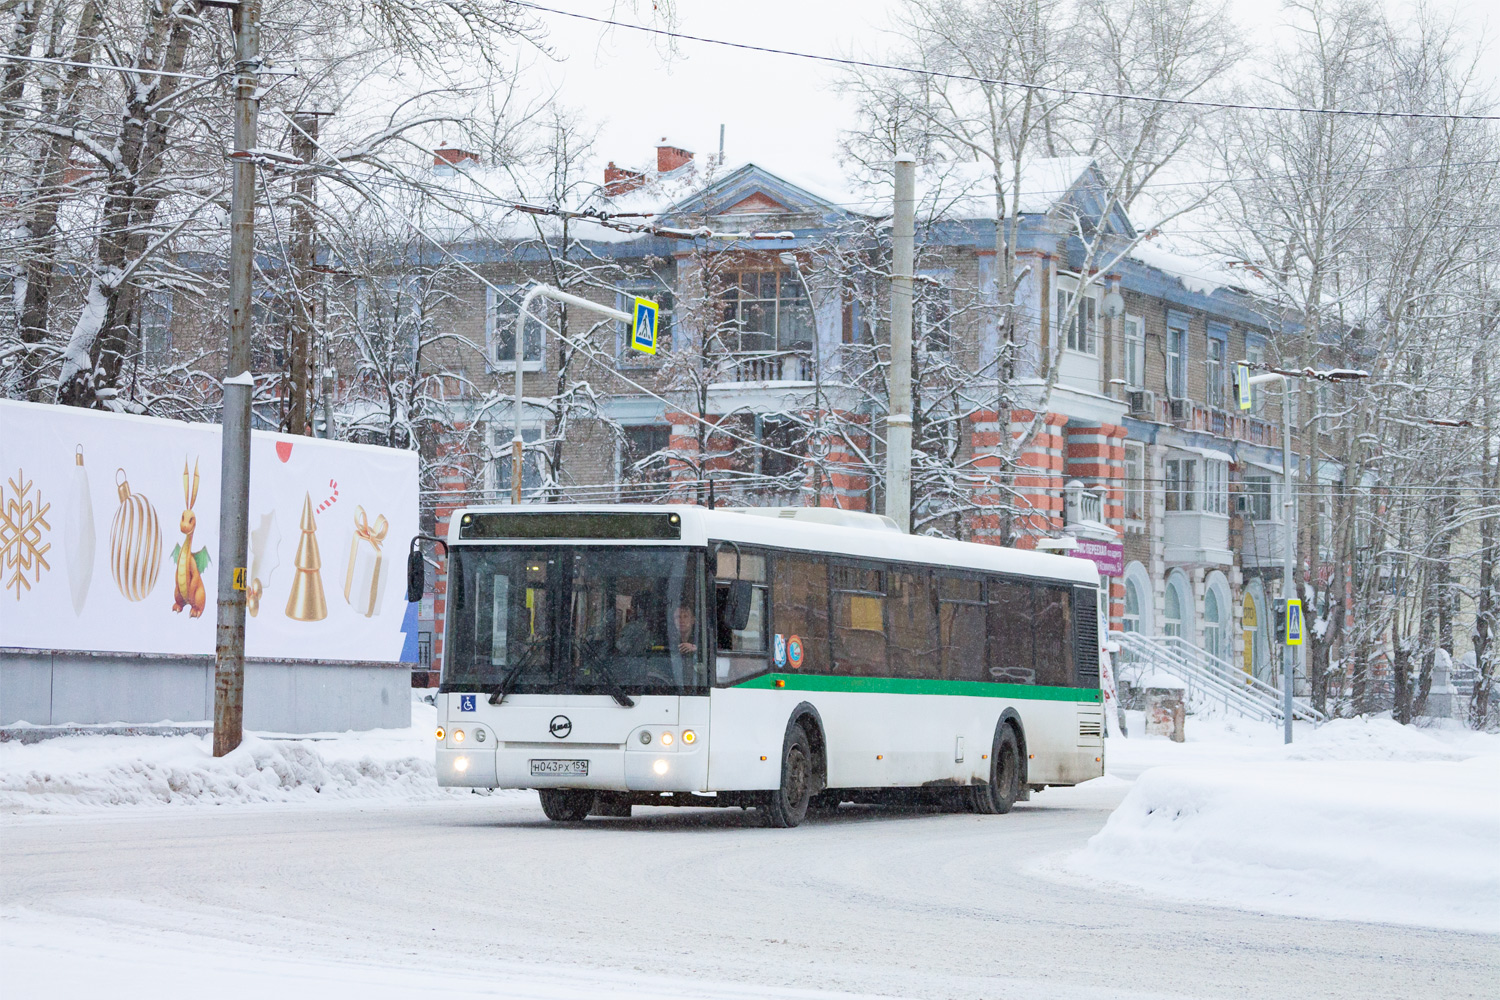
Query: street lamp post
1288, 506
517, 443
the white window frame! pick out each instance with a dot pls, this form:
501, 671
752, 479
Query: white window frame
1135, 483
1081, 336
501, 437
1181, 477
620, 447
1255, 354
1177, 361
1214, 369
1134, 355
491, 334
1246, 501
1215, 487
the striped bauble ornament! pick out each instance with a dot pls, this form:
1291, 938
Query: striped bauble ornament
134, 543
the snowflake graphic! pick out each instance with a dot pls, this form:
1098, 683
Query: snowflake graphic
22, 520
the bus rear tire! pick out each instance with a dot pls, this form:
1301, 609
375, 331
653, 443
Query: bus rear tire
1004, 787
787, 806
566, 805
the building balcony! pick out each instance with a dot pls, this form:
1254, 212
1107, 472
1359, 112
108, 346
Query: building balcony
1195, 416
1263, 541
1195, 537
768, 366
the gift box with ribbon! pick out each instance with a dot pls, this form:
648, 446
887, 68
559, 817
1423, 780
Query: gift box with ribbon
362, 579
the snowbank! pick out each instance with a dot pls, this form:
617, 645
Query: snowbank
81, 772
1359, 819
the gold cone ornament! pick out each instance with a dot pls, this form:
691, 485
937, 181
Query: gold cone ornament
306, 603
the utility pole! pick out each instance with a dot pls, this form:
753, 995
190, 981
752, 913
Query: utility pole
1288, 555
304, 195
239, 389
898, 416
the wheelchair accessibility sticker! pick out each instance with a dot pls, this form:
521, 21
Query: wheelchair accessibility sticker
778, 649
466, 702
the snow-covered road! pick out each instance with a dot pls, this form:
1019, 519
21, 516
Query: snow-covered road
481, 896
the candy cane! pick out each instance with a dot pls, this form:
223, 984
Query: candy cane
331, 500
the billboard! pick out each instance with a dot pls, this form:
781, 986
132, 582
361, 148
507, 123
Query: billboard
109, 538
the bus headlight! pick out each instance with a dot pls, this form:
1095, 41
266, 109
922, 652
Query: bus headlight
460, 763
688, 736
458, 736
645, 737
441, 732
666, 739
660, 767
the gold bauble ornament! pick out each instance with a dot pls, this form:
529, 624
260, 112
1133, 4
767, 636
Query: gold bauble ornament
134, 543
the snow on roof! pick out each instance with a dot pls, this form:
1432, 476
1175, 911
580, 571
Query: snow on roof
967, 190
1202, 274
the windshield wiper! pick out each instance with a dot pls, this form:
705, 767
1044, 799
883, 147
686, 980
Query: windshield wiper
497, 695
616, 689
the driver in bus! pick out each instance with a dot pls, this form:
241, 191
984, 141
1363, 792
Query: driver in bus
685, 620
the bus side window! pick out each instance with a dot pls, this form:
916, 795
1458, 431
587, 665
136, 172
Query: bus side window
1011, 633
1054, 636
961, 628
740, 587
858, 595
913, 631
799, 607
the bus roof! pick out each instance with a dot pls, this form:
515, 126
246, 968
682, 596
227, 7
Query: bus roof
788, 531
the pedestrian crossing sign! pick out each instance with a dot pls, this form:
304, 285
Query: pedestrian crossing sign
1242, 385
1294, 623
643, 330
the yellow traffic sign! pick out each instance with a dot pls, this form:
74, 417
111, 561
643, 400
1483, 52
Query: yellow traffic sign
1294, 622
643, 331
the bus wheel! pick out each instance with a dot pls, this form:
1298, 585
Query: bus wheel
566, 805
1005, 777
787, 806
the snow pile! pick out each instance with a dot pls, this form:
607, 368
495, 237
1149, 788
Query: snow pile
81, 772
1362, 820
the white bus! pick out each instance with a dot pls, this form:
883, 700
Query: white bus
780, 659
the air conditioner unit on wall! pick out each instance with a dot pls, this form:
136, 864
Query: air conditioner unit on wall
1180, 409
1142, 403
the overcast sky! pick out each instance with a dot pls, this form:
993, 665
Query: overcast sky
777, 108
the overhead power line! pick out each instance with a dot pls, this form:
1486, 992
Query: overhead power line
141, 70
998, 82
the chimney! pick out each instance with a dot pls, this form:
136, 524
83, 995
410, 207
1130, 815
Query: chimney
618, 180
670, 156
451, 156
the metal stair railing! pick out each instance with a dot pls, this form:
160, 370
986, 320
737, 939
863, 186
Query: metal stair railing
1204, 687
1209, 680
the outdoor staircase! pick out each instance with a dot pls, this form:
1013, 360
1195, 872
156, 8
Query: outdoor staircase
1212, 684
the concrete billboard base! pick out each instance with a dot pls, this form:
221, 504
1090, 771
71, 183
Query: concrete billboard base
68, 687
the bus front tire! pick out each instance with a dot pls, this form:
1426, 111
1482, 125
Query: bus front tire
566, 805
787, 806
1004, 786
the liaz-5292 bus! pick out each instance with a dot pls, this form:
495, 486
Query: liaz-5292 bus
778, 658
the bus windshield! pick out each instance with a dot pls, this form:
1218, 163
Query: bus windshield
575, 620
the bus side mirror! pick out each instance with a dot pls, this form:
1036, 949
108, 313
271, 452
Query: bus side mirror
416, 573
734, 604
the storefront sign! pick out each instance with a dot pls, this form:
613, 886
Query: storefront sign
1108, 556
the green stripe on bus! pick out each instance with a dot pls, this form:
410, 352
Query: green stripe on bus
904, 685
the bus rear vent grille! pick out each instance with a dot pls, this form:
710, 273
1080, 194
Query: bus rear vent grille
1086, 635
1091, 727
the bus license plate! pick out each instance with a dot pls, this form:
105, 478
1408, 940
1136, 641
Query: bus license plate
559, 768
